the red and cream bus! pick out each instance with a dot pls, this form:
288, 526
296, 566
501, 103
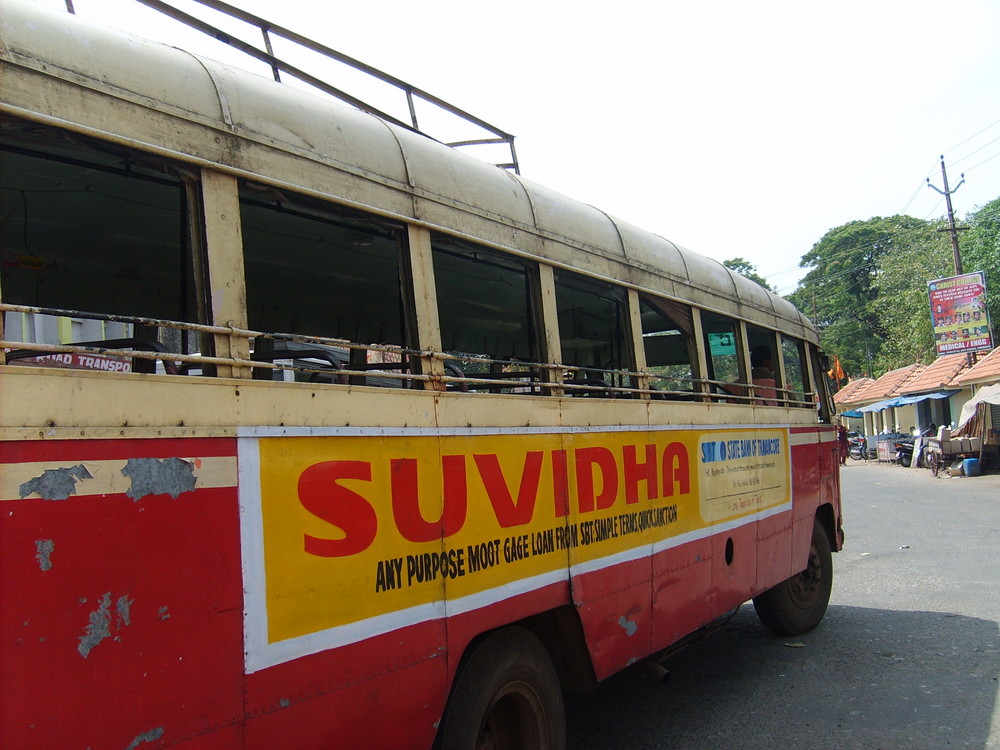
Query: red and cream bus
316, 433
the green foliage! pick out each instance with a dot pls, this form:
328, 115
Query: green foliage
841, 290
745, 268
867, 285
902, 302
980, 248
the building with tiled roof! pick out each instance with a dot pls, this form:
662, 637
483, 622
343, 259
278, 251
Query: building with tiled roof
845, 396
889, 384
871, 399
941, 374
918, 395
985, 372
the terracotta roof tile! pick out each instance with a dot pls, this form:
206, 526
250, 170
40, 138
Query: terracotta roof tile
986, 370
942, 373
889, 384
846, 394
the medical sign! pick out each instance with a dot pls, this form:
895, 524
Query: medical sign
959, 316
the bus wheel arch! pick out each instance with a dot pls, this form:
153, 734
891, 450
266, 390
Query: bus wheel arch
506, 694
798, 604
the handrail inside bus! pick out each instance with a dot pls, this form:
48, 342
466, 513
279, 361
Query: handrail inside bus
323, 359
267, 29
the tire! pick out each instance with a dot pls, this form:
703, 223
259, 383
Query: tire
506, 696
797, 604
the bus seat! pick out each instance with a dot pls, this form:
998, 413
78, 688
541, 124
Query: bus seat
317, 372
601, 388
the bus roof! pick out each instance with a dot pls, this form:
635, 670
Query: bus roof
198, 110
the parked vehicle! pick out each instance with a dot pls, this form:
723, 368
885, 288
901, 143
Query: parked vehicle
859, 449
406, 530
904, 451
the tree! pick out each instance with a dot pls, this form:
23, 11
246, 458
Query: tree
902, 304
980, 248
843, 291
745, 268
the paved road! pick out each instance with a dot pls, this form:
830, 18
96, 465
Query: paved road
907, 657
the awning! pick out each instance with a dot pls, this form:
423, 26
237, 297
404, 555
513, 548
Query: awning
879, 405
902, 400
852, 414
988, 395
923, 396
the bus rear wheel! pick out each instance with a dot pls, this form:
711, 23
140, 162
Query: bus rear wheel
506, 696
797, 604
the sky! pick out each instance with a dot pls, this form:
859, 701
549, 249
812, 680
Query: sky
735, 129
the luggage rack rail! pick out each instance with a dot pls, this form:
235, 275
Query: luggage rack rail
492, 134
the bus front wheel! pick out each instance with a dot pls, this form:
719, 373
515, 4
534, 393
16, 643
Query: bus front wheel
506, 695
797, 605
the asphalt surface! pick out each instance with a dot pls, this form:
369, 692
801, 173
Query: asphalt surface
908, 655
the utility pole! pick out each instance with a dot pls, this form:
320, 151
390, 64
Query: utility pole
951, 215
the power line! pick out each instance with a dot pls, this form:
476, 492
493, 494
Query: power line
990, 143
984, 161
975, 135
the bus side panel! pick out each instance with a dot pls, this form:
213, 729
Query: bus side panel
774, 551
830, 481
464, 627
405, 673
683, 580
617, 625
224, 738
121, 617
396, 710
360, 668
734, 568
618, 600
813, 463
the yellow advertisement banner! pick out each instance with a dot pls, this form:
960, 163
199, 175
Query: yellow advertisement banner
360, 527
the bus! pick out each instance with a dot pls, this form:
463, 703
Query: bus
316, 432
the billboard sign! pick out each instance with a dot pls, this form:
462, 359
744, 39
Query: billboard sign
959, 316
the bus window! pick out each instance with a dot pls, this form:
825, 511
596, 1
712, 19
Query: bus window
318, 270
98, 230
821, 391
592, 328
722, 347
667, 333
764, 372
793, 354
485, 312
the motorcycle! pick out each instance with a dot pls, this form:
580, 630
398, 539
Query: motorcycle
904, 451
859, 449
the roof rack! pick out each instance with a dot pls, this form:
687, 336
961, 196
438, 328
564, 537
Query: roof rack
278, 66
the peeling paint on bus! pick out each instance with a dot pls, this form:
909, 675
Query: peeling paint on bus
43, 553
100, 623
151, 736
628, 625
155, 476
55, 484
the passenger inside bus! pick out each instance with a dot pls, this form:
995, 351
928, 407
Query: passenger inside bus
762, 375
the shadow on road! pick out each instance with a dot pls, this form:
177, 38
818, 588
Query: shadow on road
866, 678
